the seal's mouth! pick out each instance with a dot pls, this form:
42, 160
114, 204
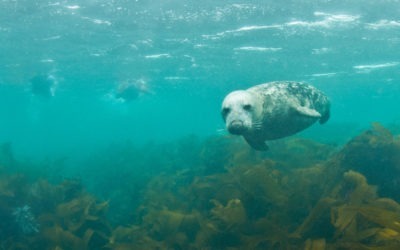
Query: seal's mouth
236, 127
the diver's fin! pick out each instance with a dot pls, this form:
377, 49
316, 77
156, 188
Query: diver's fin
258, 145
307, 111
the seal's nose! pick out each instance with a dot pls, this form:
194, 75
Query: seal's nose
236, 127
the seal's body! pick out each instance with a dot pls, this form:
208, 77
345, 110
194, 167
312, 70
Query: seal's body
273, 110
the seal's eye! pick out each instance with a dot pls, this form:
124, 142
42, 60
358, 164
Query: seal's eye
225, 111
247, 107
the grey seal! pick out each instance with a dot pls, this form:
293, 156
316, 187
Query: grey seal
273, 110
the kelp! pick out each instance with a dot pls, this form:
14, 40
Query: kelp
361, 220
219, 194
354, 189
229, 217
260, 183
63, 216
316, 220
375, 154
318, 244
290, 152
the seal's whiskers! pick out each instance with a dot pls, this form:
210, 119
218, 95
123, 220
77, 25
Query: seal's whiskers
257, 125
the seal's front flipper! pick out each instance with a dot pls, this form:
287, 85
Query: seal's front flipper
258, 145
325, 117
307, 111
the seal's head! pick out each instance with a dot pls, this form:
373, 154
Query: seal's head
241, 111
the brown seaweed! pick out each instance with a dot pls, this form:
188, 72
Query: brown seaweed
227, 197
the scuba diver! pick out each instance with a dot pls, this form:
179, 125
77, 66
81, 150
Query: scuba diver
43, 85
129, 91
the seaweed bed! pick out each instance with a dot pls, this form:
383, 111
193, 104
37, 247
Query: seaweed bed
211, 194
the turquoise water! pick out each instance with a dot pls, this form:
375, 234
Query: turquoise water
188, 55
191, 55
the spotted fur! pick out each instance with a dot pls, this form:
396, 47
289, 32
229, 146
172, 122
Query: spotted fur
274, 110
